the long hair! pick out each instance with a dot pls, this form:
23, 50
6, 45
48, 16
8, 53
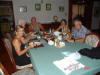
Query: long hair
64, 21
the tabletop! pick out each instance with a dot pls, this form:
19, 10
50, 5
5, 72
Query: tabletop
42, 59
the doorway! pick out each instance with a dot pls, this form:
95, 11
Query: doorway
81, 8
7, 22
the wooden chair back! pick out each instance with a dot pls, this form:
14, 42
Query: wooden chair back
95, 35
10, 54
3, 71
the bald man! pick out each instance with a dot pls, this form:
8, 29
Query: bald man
36, 26
78, 32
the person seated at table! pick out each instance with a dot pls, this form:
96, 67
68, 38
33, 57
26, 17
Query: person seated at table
35, 26
79, 31
18, 48
22, 23
63, 26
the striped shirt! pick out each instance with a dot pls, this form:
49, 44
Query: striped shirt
81, 33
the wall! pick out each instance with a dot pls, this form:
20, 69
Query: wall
5, 0
42, 16
95, 20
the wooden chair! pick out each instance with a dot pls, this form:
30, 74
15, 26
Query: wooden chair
7, 45
3, 71
25, 71
6, 41
92, 39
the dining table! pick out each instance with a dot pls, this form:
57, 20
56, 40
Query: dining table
42, 59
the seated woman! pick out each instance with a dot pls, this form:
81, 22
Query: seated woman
22, 23
79, 31
19, 51
63, 26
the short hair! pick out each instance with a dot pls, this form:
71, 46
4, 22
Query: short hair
77, 18
33, 17
64, 21
19, 22
18, 27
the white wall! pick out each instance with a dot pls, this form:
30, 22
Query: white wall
42, 16
5, 0
95, 20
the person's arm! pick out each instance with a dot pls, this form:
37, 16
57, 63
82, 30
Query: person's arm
29, 34
79, 40
76, 40
70, 35
41, 27
67, 29
60, 27
24, 41
20, 52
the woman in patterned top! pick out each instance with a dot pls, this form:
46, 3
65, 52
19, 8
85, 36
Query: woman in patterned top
63, 26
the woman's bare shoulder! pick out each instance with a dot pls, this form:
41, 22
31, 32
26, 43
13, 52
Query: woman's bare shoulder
15, 41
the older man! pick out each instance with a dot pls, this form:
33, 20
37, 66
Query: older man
78, 32
22, 23
36, 26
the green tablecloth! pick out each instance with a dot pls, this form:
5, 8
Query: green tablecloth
42, 59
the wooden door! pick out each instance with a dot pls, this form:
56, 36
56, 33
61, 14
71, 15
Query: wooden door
82, 8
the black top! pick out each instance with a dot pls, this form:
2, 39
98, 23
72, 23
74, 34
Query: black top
92, 53
20, 60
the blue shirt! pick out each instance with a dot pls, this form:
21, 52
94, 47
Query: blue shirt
81, 33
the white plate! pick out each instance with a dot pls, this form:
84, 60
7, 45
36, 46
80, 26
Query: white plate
50, 42
57, 33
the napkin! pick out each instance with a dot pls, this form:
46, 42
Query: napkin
74, 55
68, 65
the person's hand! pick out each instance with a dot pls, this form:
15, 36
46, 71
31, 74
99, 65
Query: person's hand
31, 46
31, 34
53, 30
70, 40
27, 55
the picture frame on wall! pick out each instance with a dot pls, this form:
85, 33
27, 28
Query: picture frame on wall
61, 9
23, 9
48, 7
37, 7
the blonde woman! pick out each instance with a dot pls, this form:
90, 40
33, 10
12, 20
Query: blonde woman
19, 51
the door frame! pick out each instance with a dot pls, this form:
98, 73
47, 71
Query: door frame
88, 10
70, 14
11, 4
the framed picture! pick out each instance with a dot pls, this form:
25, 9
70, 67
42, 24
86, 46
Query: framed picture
61, 9
37, 7
23, 9
48, 6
